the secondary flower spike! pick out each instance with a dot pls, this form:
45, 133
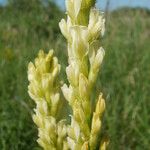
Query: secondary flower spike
44, 90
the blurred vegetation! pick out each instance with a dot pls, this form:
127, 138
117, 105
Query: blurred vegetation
28, 25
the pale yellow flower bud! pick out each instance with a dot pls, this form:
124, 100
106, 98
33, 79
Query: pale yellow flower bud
74, 130
65, 27
79, 45
38, 120
81, 118
73, 74
68, 94
95, 130
54, 102
61, 131
95, 64
78, 112
42, 107
73, 8
104, 143
96, 121
96, 25
65, 145
96, 124
84, 87
79, 10
71, 143
100, 106
47, 134
75, 137
85, 146
98, 60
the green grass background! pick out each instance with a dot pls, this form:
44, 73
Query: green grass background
124, 78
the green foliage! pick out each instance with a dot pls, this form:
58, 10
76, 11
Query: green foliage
25, 5
124, 77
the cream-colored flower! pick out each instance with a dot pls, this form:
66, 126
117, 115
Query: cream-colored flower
96, 121
65, 27
96, 59
44, 90
96, 25
83, 29
73, 8
104, 143
84, 90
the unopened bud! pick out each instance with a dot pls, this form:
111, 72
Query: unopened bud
100, 106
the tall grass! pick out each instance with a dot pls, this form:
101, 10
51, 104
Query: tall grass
124, 76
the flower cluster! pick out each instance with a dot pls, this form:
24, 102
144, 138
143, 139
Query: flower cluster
83, 29
44, 90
